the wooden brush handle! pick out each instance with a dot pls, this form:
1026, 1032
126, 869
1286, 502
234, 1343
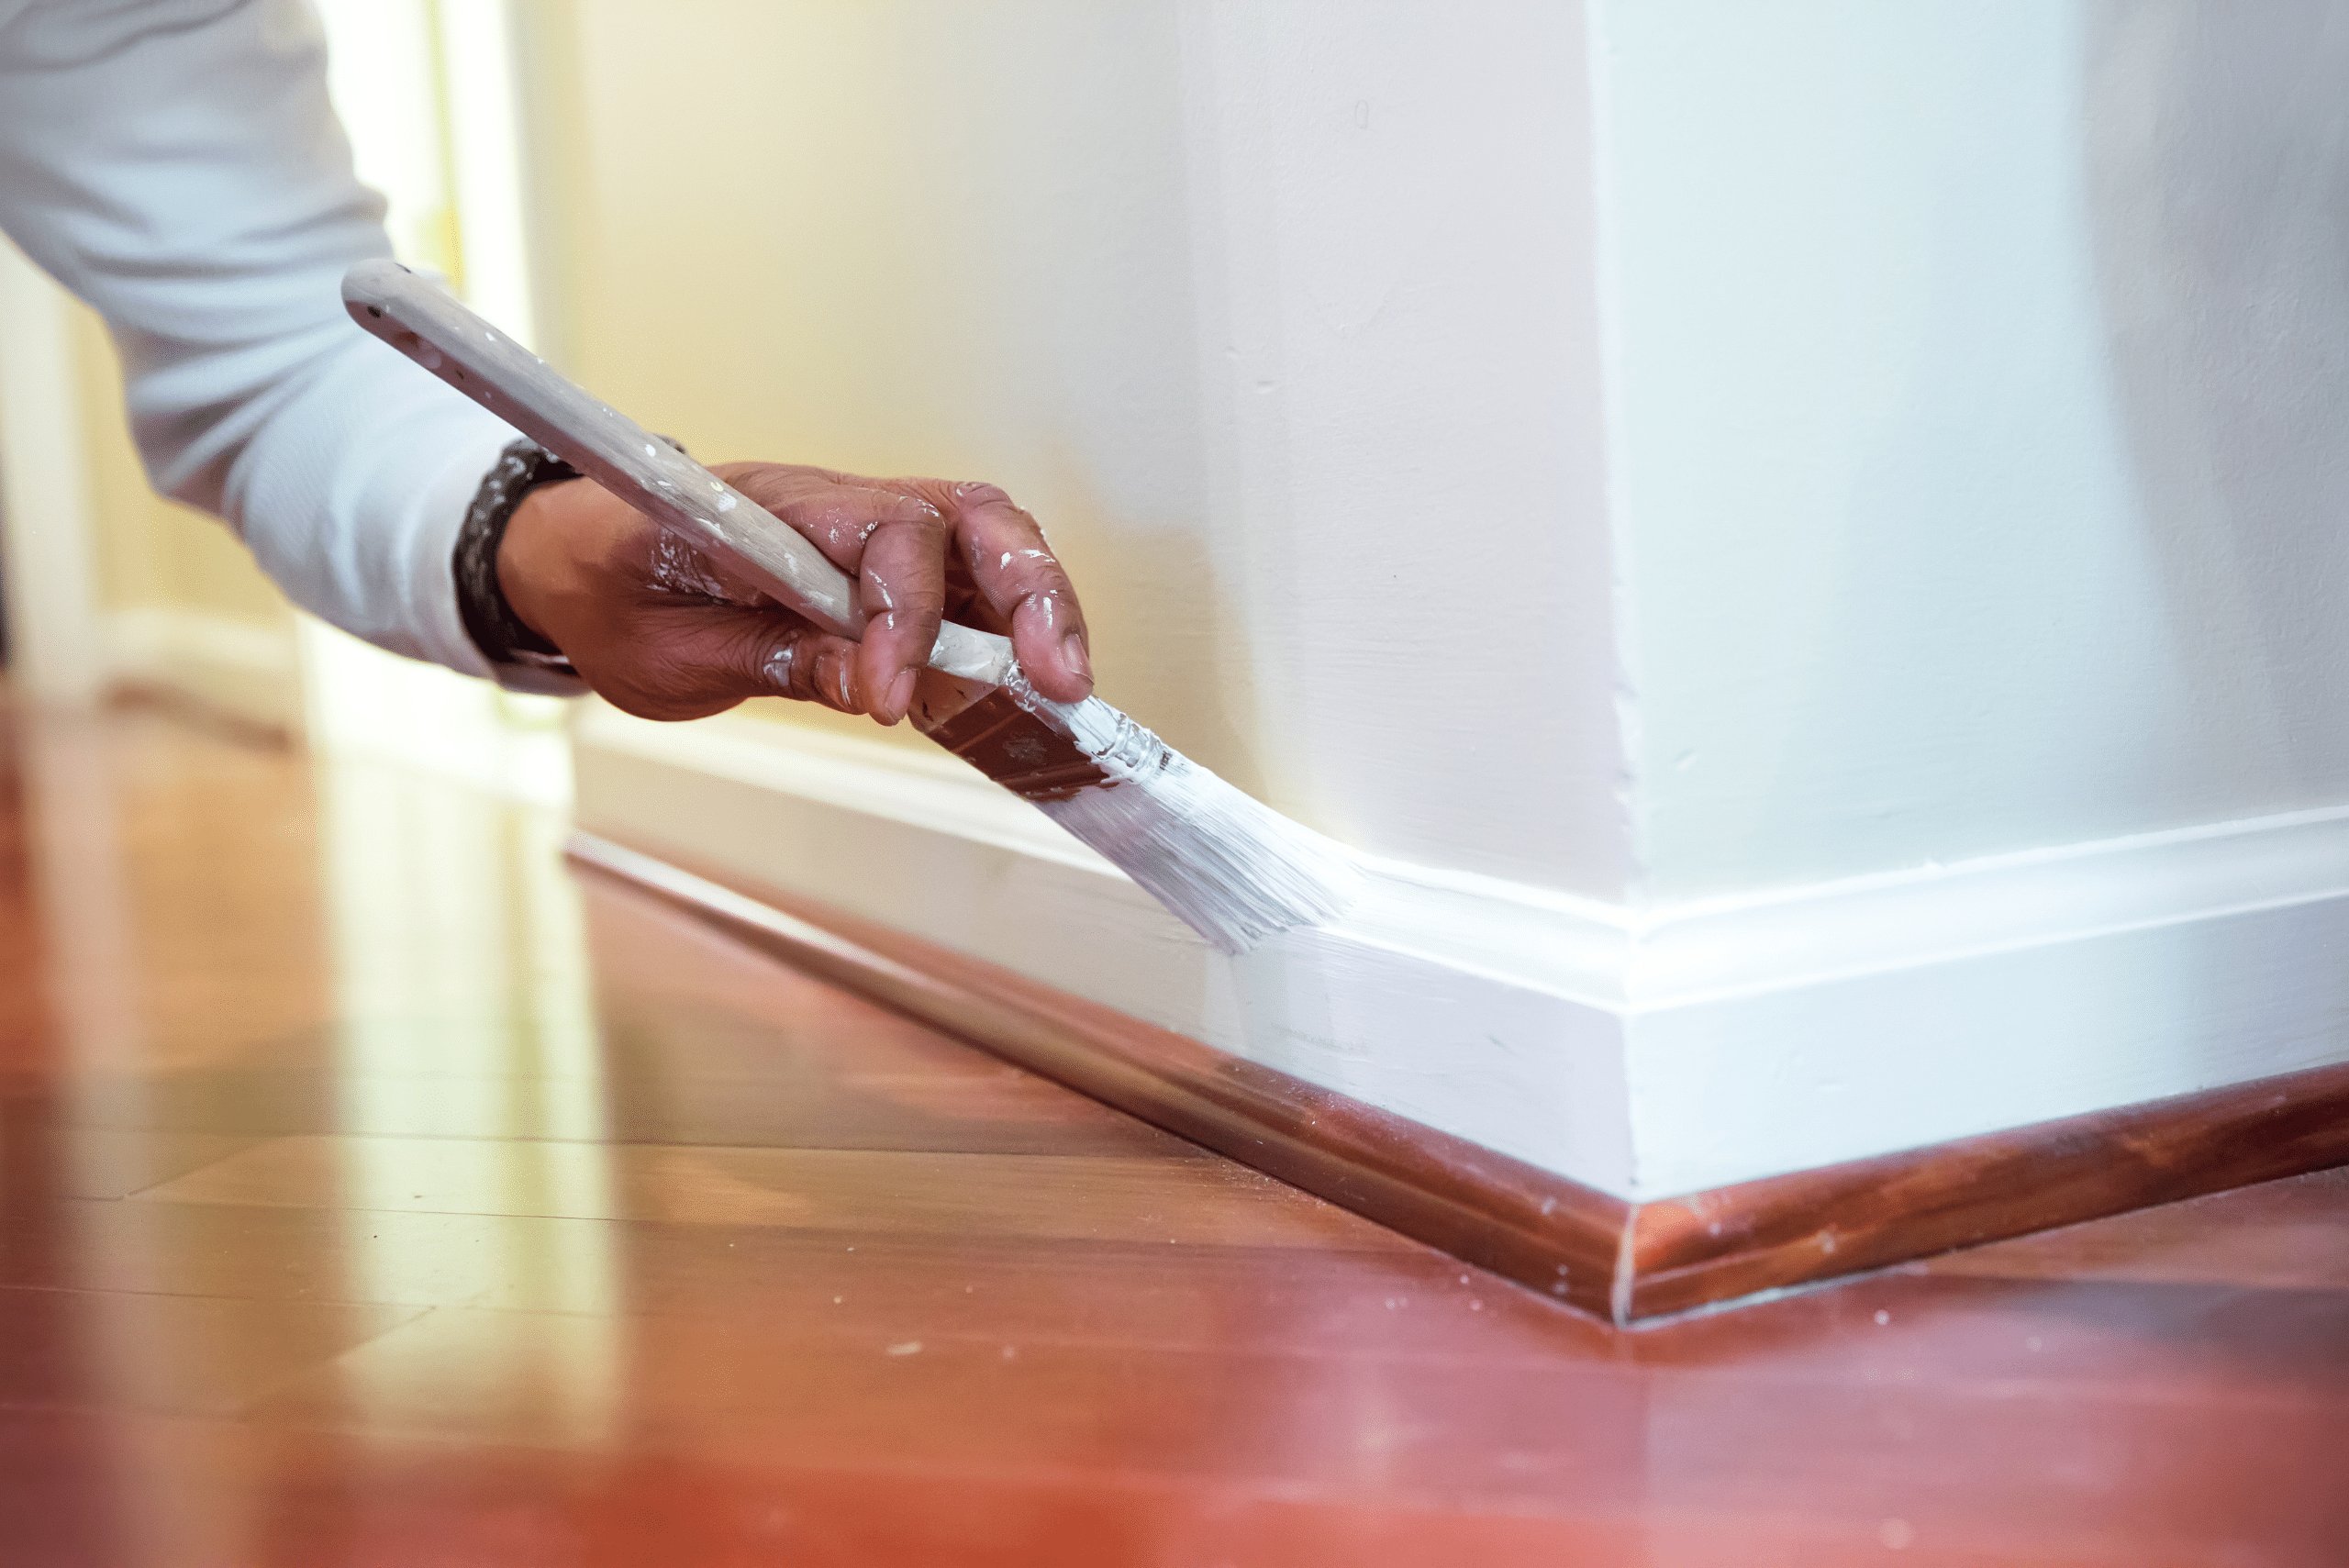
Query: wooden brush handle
422, 322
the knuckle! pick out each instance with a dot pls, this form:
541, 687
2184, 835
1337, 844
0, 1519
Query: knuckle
971, 494
912, 512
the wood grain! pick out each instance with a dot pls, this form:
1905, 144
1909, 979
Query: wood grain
1840, 1220
377, 1196
1172, 1201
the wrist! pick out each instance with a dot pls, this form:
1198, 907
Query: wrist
522, 563
504, 634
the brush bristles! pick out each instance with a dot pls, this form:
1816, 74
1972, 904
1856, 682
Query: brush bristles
1234, 870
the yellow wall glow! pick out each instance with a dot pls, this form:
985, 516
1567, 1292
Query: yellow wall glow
906, 237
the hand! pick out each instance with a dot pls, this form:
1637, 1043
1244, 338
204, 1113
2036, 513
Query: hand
662, 630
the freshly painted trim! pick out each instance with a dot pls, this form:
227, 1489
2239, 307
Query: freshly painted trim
1678, 955
1641, 1052
1627, 1263
245, 670
1437, 1031
1553, 942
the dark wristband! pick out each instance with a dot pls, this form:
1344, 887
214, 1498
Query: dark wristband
500, 634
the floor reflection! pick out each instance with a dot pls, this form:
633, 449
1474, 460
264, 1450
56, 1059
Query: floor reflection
221, 950
347, 1219
461, 992
159, 955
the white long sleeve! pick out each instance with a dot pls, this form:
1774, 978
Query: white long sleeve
176, 164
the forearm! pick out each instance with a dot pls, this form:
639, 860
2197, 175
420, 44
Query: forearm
351, 494
177, 165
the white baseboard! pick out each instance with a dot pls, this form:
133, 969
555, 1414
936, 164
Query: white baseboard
244, 670
1646, 1052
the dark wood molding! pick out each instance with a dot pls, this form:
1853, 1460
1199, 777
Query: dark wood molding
1620, 1261
1865, 1214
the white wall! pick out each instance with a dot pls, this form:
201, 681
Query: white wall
1280, 318
1979, 424
1391, 215
1979, 377
1883, 679
427, 91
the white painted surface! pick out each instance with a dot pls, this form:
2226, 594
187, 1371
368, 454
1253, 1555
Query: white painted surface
56, 646
1392, 251
1445, 1029
1981, 434
486, 162
427, 91
1914, 708
1648, 1052
1979, 428
1885, 675
1279, 319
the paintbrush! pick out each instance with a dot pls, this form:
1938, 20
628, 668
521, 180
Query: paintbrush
1231, 868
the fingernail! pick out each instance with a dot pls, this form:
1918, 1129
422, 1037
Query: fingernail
779, 666
1074, 659
901, 695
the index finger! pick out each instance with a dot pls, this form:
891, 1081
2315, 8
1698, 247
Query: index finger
836, 512
1023, 581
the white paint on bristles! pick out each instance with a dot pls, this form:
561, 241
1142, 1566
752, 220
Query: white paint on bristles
1231, 868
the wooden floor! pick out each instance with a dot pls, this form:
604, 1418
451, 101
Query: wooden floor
374, 1194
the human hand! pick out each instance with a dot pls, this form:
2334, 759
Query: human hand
662, 630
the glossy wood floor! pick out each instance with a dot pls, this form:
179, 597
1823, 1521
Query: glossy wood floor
373, 1195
